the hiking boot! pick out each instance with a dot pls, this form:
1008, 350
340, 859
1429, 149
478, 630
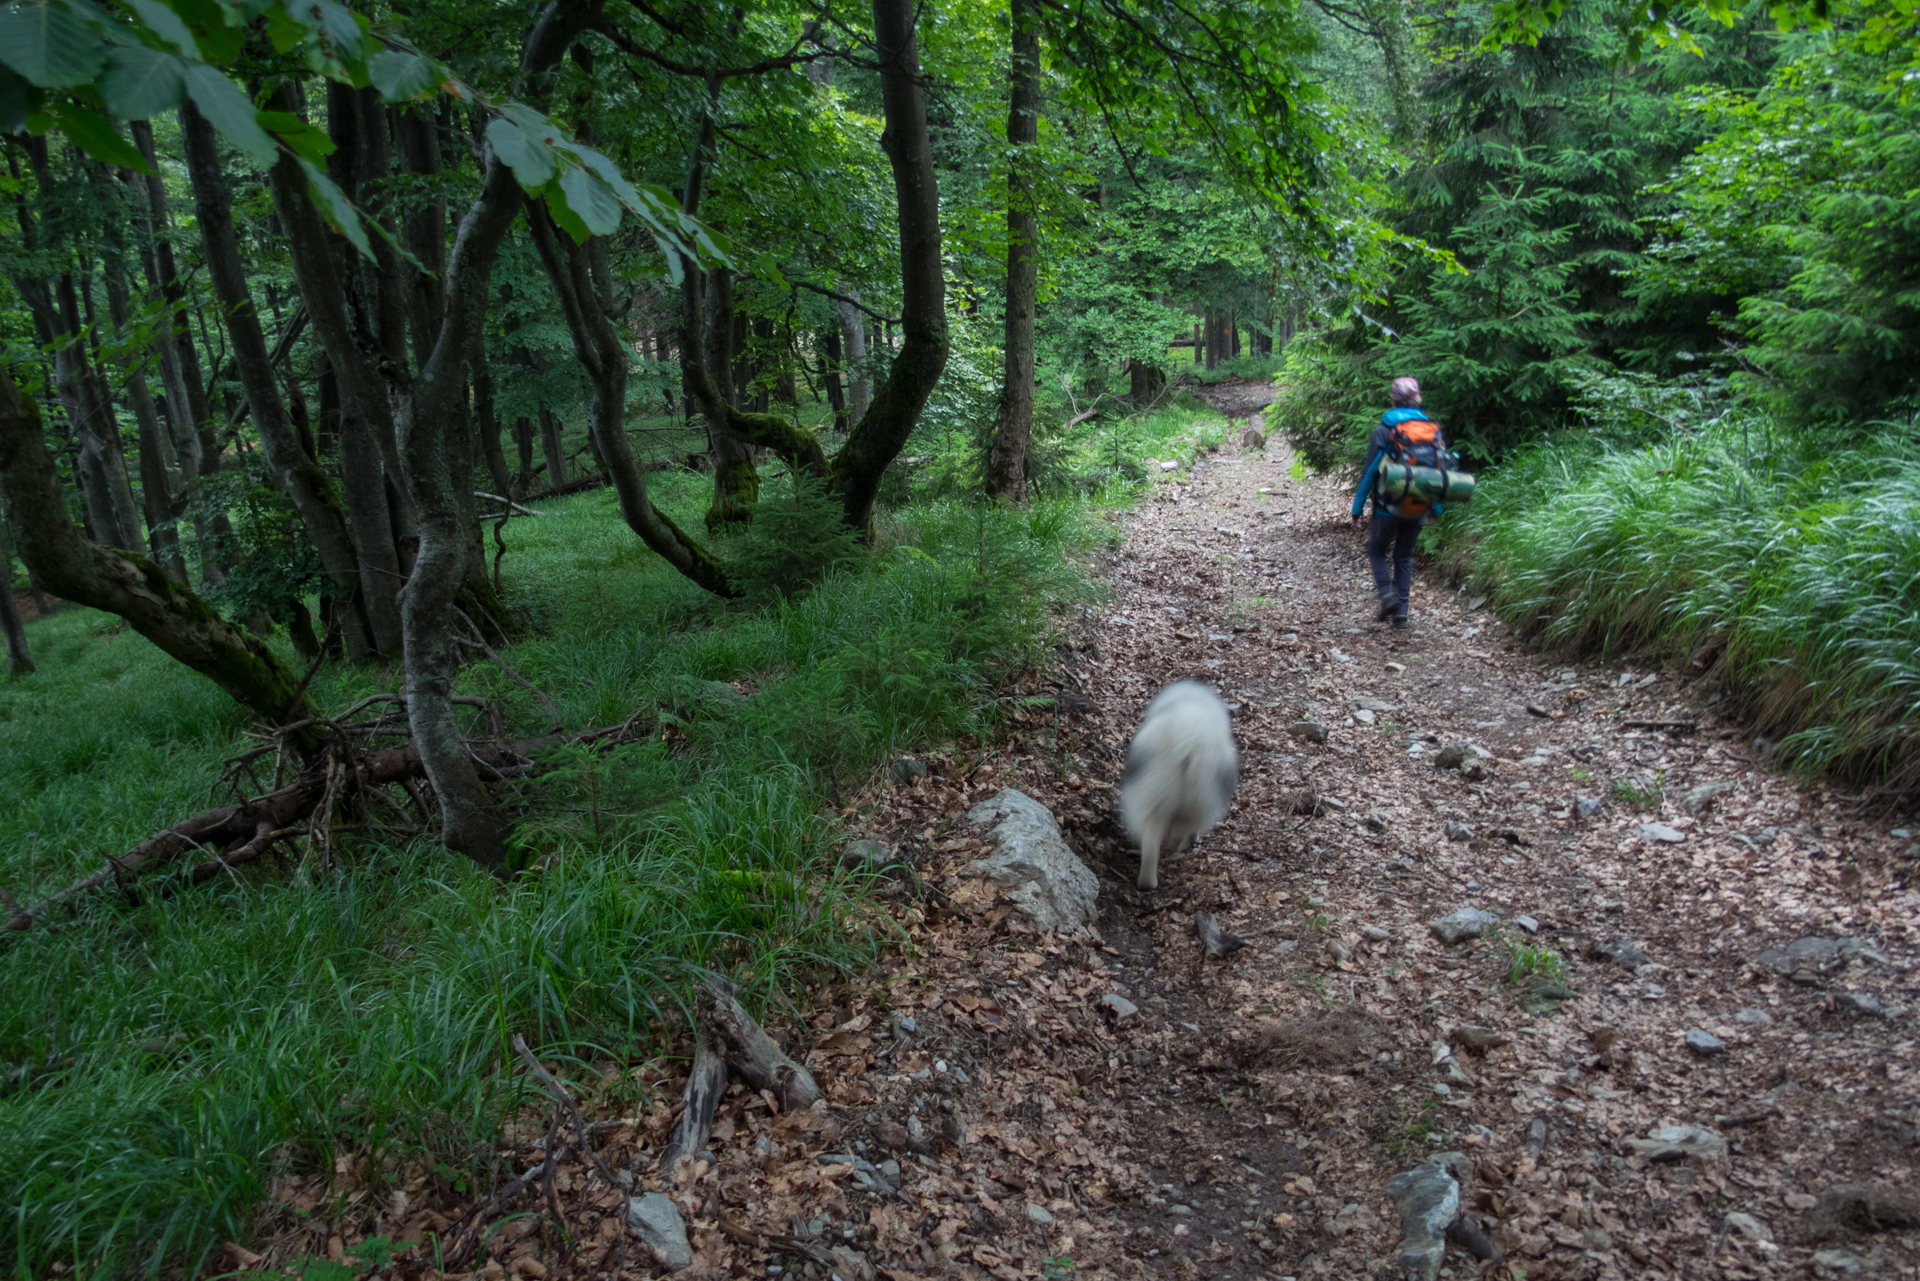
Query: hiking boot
1389, 603
1399, 622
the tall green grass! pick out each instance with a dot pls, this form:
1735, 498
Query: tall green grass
1792, 567
160, 1062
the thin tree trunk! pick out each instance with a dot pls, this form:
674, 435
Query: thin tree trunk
523, 441
853, 331
487, 416
736, 479
551, 447
156, 487
1007, 458
179, 360
299, 477
832, 368
19, 657
128, 584
603, 356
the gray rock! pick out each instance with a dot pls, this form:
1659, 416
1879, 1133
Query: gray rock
1122, 1008
1044, 878
1543, 990
1678, 1143
1587, 806
1253, 438
1374, 705
1375, 823
1364, 716
1816, 955
1749, 1227
1459, 832
1698, 800
1454, 754
1751, 1017
1037, 1213
1375, 933
1310, 730
906, 769
866, 856
1622, 952
1527, 923
1467, 923
1862, 1003
1705, 1044
1428, 1199
1474, 770
656, 1220
1838, 1261
1286, 947
1662, 833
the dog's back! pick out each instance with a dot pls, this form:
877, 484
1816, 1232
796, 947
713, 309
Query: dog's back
1181, 773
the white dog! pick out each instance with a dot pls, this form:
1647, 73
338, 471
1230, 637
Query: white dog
1180, 776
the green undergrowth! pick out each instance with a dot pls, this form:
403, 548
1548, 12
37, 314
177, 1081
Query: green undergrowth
1786, 571
162, 1061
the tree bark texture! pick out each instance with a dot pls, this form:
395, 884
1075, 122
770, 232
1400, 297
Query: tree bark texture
179, 360
128, 584
1007, 458
298, 475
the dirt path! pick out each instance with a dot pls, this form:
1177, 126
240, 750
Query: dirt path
1109, 1103
1243, 1121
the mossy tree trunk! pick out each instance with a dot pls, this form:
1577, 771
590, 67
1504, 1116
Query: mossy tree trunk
130, 585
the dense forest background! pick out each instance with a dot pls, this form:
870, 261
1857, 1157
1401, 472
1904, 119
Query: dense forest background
657, 419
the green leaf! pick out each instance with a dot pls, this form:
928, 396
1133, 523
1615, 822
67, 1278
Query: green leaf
18, 100
530, 159
589, 197
141, 83
402, 76
336, 208
563, 214
93, 133
306, 140
50, 45
227, 107
164, 23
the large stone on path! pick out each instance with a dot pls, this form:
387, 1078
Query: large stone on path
1428, 1198
656, 1220
1048, 882
1467, 923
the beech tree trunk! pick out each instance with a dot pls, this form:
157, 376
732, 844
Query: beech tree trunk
128, 584
551, 447
298, 475
1007, 457
736, 478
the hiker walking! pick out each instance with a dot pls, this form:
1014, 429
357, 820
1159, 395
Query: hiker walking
1405, 436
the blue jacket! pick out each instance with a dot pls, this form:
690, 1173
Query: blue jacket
1377, 452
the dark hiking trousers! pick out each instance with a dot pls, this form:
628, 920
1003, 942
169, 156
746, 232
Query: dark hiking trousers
1395, 535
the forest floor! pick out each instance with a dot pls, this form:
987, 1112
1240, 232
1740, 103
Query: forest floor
1111, 1103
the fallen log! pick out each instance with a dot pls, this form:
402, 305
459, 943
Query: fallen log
230, 835
727, 1037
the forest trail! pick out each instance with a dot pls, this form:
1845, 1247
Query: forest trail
1243, 1122
1111, 1103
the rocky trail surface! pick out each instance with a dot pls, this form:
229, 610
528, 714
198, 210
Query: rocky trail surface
1540, 973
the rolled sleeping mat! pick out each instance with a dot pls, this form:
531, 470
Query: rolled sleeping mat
1428, 484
